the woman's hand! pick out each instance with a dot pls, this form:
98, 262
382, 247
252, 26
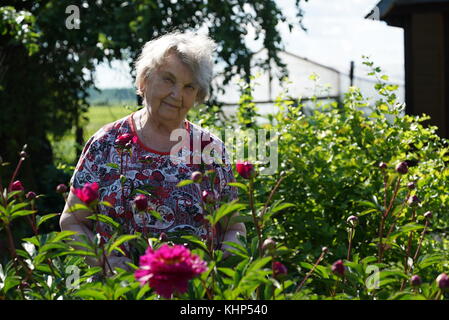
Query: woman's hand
118, 262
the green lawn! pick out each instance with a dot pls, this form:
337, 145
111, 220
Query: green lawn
64, 149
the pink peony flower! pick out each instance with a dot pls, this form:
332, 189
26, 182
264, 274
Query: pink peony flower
169, 269
17, 186
88, 193
245, 169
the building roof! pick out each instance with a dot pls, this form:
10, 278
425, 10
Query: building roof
385, 7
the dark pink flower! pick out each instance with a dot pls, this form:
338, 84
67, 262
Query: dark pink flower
141, 202
88, 193
279, 269
17, 186
415, 280
443, 281
124, 139
402, 167
338, 268
245, 169
169, 269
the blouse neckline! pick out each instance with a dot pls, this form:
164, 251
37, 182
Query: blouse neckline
140, 142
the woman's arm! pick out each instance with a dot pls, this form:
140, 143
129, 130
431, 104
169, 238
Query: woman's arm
231, 235
77, 221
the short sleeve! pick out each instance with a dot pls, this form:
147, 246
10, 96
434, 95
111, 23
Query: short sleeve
86, 170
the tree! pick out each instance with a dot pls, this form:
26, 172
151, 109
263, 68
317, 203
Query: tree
49, 49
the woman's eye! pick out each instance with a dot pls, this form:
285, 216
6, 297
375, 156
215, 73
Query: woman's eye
168, 80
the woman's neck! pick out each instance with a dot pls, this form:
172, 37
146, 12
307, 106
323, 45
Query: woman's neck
153, 126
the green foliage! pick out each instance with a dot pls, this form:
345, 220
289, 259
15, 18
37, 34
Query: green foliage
328, 171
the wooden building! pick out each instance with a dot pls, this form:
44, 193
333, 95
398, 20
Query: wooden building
426, 36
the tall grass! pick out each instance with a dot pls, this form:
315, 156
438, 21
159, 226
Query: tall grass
64, 149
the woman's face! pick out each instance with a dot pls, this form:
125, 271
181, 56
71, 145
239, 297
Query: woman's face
171, 91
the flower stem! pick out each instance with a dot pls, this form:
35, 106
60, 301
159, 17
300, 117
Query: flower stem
384, 217
351, 233
16, 171
253, 211
421, 240
310, 272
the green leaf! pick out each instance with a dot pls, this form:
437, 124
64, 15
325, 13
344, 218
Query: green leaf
227, 271
91, 294
258, 264
195, 240
226, 209
62, 235
105, 219
120, 241
155, 214
282, 207
42, 219
113, 165
22, 213
184, 183
238, 185
78, 206
405, 230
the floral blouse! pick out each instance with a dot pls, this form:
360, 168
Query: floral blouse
157, 173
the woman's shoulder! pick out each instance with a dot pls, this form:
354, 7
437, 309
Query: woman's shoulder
108, 133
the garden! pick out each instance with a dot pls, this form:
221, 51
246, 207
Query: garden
356, 210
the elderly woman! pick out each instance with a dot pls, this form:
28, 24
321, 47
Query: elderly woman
173, 73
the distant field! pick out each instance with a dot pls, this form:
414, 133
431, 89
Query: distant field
64, 150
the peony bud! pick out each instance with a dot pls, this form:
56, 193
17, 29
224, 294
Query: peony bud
245, 169
338, 268
61, 188
402, 167
30, 195
428, 215
197, 177
208, 197
352, 220
411, 185
413, 201
269, 245
163, 237
141, 202
17, 186
279, 270
325, 249
415, 281
443, 281
383, 165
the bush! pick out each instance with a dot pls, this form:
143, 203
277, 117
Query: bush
357, 210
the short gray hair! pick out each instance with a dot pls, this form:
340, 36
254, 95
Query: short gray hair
193, 49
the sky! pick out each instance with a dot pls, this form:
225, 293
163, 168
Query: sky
337, 34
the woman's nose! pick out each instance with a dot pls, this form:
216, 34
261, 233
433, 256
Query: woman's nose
176, 92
